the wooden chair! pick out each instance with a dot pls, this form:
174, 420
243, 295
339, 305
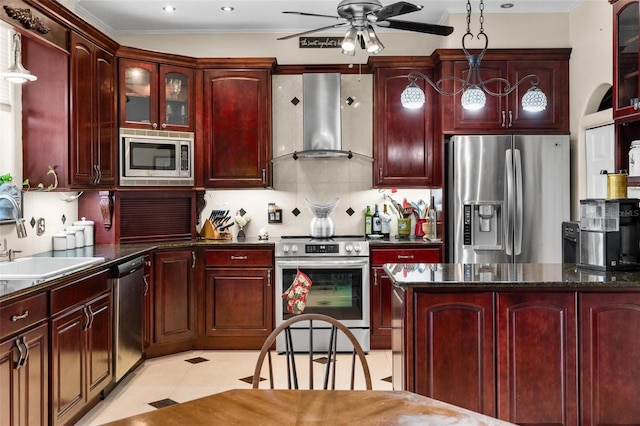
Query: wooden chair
329, 376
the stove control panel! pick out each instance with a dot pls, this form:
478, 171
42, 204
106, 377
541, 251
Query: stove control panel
334, 249
322, 248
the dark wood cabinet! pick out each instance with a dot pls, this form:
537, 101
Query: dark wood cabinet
405, 150
156, 96
454, 349
94, 134
81, 346
237, 126
24, 377
626, 59
174, 296
537, 358
609, 353
505, 114
238, 306
381, 287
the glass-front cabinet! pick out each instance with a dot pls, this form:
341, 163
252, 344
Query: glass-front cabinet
156, 97
626, 15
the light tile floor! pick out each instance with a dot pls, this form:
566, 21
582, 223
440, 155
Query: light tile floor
173, 379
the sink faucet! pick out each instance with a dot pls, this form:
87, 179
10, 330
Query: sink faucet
10, 253
20, 228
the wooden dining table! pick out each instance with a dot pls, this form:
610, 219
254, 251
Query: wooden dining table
311, 407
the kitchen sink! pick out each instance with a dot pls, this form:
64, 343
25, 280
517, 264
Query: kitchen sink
42, 268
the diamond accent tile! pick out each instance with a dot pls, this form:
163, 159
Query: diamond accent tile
196, 360
350, 211
163, 403
33, 222
295, 101
63, 219
350, 100
249, 379
295, 212
242, 211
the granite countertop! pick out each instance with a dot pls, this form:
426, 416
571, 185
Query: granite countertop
528, 276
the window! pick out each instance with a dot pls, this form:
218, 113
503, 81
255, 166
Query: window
5, 58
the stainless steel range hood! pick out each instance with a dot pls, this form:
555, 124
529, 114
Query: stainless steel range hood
322, 124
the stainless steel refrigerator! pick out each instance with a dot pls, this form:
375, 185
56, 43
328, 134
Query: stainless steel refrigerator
507, 196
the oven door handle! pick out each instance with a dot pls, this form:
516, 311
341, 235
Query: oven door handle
320, 262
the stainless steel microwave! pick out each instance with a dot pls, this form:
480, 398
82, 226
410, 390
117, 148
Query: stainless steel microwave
156, 158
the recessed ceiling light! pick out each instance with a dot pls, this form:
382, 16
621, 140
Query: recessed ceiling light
506, 5
227, 8
169, 9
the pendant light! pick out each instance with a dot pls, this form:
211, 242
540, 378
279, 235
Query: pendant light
474, 89
17, 73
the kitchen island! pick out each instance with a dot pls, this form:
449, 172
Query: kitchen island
526, 343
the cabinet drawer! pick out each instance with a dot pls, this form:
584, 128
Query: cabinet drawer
22, 314
78, 291
240, 257
411, 255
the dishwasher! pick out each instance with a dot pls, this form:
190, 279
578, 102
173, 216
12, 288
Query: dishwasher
128, 288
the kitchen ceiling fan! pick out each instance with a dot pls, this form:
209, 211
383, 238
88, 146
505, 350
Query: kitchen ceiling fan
360, 16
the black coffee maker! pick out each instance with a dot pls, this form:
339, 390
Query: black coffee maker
610, 233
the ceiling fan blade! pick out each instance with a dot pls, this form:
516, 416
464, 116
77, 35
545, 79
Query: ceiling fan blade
419, 27
395, 9
313, 31
313, 14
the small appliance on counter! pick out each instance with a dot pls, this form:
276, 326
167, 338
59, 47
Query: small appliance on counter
570, 242
609, 234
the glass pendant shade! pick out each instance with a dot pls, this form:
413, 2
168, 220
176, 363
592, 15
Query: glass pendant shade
473, 98
412, 96
534, 100
371, 41
349, 42
17, 73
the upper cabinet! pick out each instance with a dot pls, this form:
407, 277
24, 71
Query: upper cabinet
156, 96
405, 151
93, 141
504, 114
237, 123
626, 59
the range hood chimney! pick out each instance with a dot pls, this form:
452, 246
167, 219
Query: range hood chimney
322, 124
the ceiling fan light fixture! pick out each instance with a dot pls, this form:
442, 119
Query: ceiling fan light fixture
17, 73
350, 40
371, 41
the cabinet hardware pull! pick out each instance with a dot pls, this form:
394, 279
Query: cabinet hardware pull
375, 278
400, 256
90, 316
87, 318
147, 263
164, 125
19, 361
146, 285
269, 278
239, 257
26, 355
154, 125
510, 118
504, 119
15, 318
380, 174
264, 176
193, 260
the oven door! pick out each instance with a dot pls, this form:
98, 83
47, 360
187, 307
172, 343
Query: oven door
340, 288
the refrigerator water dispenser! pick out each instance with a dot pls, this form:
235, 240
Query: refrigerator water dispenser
483, 225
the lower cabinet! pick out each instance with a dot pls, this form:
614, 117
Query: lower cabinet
238, 298
381, 286
609, 358
174, 315
24, 376
81, 346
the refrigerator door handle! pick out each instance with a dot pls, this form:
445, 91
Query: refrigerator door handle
507, 220
518, 207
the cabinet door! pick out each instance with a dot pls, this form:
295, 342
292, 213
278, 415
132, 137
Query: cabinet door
626, 58
176, 95
138, 94
609, 354
68, 365
25, 388
490, 118
99, 345
148, 303
174, 292
404, 150
237, 128
381, 293
537, 358
106, 137
553, 79
454, 349
239, 302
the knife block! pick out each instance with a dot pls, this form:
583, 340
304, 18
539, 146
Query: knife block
210, 233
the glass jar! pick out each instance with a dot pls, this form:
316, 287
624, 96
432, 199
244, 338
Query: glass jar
634, 158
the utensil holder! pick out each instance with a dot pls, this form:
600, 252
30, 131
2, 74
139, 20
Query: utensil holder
210, 233
404, 227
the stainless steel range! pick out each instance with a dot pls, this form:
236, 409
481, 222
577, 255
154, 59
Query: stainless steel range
339, 270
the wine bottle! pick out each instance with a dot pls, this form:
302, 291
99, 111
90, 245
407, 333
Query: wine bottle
386, 222
433, 220
368, 221
376, 222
